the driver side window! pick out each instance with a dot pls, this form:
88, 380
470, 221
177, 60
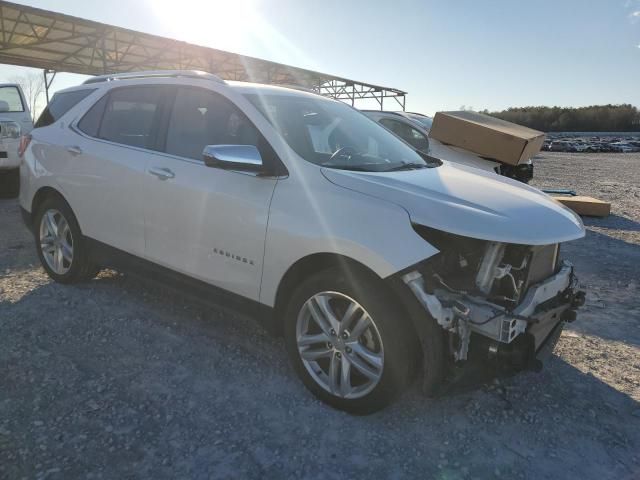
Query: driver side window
200, 118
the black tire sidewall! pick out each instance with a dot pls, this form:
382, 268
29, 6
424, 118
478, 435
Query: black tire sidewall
79, 265
390, 320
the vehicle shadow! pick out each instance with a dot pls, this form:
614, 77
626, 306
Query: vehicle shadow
536, 418
613, 222
607, 269
204, 386
18, 249
121, 344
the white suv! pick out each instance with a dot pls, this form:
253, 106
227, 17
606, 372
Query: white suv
373, 260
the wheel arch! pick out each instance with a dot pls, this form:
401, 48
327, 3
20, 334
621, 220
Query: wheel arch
314, 263
305, 267
41, 195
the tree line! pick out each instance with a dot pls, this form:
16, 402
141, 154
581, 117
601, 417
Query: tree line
596, 118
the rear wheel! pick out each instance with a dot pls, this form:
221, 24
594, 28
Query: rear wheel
348, 341
62, 249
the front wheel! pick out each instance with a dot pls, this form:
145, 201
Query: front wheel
348, 341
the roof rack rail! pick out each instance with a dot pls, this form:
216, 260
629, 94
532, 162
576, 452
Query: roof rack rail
155, 74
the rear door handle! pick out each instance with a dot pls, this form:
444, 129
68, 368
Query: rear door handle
162, 173
74, 149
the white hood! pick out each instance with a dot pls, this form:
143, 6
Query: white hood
469, 202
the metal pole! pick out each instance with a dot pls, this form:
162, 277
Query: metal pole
47, 82
46, 85
104, 56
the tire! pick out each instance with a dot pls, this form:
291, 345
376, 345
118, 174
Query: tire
75, 263
9, 183
377, 330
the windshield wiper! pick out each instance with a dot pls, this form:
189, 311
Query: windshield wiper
407, 166
355, 168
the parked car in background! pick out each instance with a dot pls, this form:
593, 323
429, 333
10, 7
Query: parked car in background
562, 146
414, 129
623, 147
580, 147
404, 126
424, 120
15, 120
369, 257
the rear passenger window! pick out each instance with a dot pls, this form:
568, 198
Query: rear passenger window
130, 116
90, 123
60, 104
200, 118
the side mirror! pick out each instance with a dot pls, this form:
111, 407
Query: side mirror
245, 158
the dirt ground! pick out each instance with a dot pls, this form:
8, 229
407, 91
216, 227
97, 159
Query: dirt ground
118, 378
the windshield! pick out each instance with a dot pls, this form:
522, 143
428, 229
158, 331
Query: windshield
10, 100
332, 134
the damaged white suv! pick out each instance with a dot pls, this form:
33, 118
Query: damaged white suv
373, 260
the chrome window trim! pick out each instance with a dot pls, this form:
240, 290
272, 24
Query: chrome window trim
73, 126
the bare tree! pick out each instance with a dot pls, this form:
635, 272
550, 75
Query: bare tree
32, 85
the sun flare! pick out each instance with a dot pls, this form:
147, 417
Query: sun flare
227, 25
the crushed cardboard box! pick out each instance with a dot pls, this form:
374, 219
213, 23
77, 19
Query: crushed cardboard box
591, 207
487, 136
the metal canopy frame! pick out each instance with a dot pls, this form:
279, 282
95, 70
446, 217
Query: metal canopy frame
54, 42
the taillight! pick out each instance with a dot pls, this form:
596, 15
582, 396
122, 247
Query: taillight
24, 143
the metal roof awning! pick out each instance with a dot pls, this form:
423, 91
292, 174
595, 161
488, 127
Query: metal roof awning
32, 37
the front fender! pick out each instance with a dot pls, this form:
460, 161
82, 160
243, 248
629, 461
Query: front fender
320, 217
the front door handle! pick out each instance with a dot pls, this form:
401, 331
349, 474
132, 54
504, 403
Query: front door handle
74, 149
162, 173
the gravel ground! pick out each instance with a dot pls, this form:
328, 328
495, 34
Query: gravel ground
118, 378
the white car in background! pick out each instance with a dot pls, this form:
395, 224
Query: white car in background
15, 121
369, 257
414, 129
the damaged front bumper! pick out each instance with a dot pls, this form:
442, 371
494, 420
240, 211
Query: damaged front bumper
521, 331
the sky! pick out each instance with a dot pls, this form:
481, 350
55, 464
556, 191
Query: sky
492, 54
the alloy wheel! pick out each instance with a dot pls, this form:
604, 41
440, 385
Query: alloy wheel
339, 345
56, 241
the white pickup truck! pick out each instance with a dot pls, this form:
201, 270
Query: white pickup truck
15, 121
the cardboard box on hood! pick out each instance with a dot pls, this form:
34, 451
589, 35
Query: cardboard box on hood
487, 136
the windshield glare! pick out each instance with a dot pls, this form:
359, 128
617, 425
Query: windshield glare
334, 135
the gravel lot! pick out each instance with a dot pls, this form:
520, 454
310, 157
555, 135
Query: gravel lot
119, 378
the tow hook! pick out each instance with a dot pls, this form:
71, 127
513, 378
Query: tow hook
578, 299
